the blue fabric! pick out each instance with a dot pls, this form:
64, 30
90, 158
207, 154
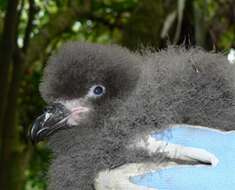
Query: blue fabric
221, 177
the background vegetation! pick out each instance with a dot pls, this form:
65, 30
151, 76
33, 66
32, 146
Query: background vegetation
30, 30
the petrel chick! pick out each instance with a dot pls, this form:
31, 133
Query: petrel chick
105, 101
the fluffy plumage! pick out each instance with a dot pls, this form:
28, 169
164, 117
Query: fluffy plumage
145, 93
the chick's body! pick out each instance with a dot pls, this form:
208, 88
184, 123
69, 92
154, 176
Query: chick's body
144, 93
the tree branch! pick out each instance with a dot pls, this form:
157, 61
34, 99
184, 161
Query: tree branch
6, 51
31, 14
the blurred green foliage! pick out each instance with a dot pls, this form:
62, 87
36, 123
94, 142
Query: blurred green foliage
36, 173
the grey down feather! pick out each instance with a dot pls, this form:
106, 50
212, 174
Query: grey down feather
144, 93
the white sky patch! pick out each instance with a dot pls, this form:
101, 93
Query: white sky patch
77, 25
231, 56
20, 42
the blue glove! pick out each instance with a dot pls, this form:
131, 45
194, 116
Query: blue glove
186, 177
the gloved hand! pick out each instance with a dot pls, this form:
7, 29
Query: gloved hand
188, 177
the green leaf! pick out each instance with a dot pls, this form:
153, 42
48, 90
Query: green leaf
3, 4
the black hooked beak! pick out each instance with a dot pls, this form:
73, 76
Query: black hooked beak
53, 119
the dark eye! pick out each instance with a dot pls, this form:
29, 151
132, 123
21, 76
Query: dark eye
96, 91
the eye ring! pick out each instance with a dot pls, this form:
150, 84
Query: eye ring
96, 91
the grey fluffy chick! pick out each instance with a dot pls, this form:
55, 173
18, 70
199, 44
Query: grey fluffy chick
107, 99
